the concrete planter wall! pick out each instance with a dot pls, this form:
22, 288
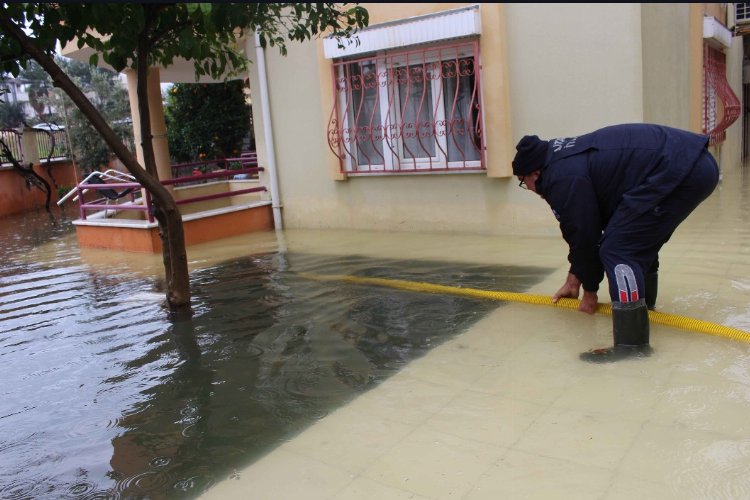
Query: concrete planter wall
16, 197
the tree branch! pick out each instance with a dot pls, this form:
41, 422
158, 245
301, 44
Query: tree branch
82, 102
159, 35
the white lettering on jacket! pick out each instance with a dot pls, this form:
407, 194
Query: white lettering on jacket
563, 143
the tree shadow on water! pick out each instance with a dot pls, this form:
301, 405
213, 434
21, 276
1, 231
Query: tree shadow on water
269, 352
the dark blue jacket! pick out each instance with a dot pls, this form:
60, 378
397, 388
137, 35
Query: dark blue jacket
628, 168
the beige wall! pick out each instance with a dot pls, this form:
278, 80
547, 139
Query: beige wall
574, 67
571, 68
666, 64
452, 202
717, 10
462, 202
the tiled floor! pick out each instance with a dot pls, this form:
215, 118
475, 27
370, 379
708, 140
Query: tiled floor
507, 410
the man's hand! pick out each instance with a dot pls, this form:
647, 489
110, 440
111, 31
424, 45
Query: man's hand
571, 289
589, 302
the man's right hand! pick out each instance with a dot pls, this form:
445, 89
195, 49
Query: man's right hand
571, 289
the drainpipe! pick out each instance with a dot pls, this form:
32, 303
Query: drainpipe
265, 107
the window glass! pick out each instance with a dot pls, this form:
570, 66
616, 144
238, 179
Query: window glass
415, 93
365, 112
461, 115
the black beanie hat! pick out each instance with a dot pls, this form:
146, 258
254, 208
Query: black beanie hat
530, 155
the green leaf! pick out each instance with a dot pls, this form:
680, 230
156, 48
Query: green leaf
94, 59
187, 41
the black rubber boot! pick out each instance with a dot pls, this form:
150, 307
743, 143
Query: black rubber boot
630, 330
652, 289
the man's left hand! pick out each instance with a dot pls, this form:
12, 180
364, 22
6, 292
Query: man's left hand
589, 302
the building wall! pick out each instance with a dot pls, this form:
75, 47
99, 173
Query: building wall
311, 199
731, 154
570, 68
18, 94
574, 67
16, 197
666, 64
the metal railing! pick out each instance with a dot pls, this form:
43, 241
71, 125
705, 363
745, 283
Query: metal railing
409, 111
109, 182
45, 147
14, 142
721, 107
14, 139
245, 160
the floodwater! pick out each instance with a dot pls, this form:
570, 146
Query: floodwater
103, 396
283, 386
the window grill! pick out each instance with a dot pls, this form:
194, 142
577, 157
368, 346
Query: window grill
716, 89
412, 111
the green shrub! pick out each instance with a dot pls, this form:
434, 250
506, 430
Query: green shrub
206, 120
62, 190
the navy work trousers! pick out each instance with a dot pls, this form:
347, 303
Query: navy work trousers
637, 243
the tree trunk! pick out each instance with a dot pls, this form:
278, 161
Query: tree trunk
178, 283
168, 215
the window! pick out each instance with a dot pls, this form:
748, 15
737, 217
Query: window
742, 13
412, 111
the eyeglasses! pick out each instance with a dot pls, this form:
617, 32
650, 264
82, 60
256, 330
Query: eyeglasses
521, 183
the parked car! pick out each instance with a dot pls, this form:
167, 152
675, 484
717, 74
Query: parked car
52, 127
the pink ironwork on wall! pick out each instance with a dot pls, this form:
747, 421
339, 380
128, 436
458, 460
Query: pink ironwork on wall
716, 90
409, 111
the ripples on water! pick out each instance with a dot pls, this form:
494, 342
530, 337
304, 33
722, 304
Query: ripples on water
104, 397
705, 473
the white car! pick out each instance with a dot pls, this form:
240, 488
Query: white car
48, 126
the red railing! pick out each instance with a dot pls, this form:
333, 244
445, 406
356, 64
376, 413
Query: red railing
245, 160
102, 203
716, 89
409, 111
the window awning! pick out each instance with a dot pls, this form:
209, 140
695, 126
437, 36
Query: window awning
438, 26
716, 33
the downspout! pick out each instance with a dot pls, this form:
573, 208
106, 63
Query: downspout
265, 108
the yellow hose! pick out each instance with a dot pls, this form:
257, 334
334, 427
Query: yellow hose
661, 318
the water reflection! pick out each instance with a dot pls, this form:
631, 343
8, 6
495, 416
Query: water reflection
111, 399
